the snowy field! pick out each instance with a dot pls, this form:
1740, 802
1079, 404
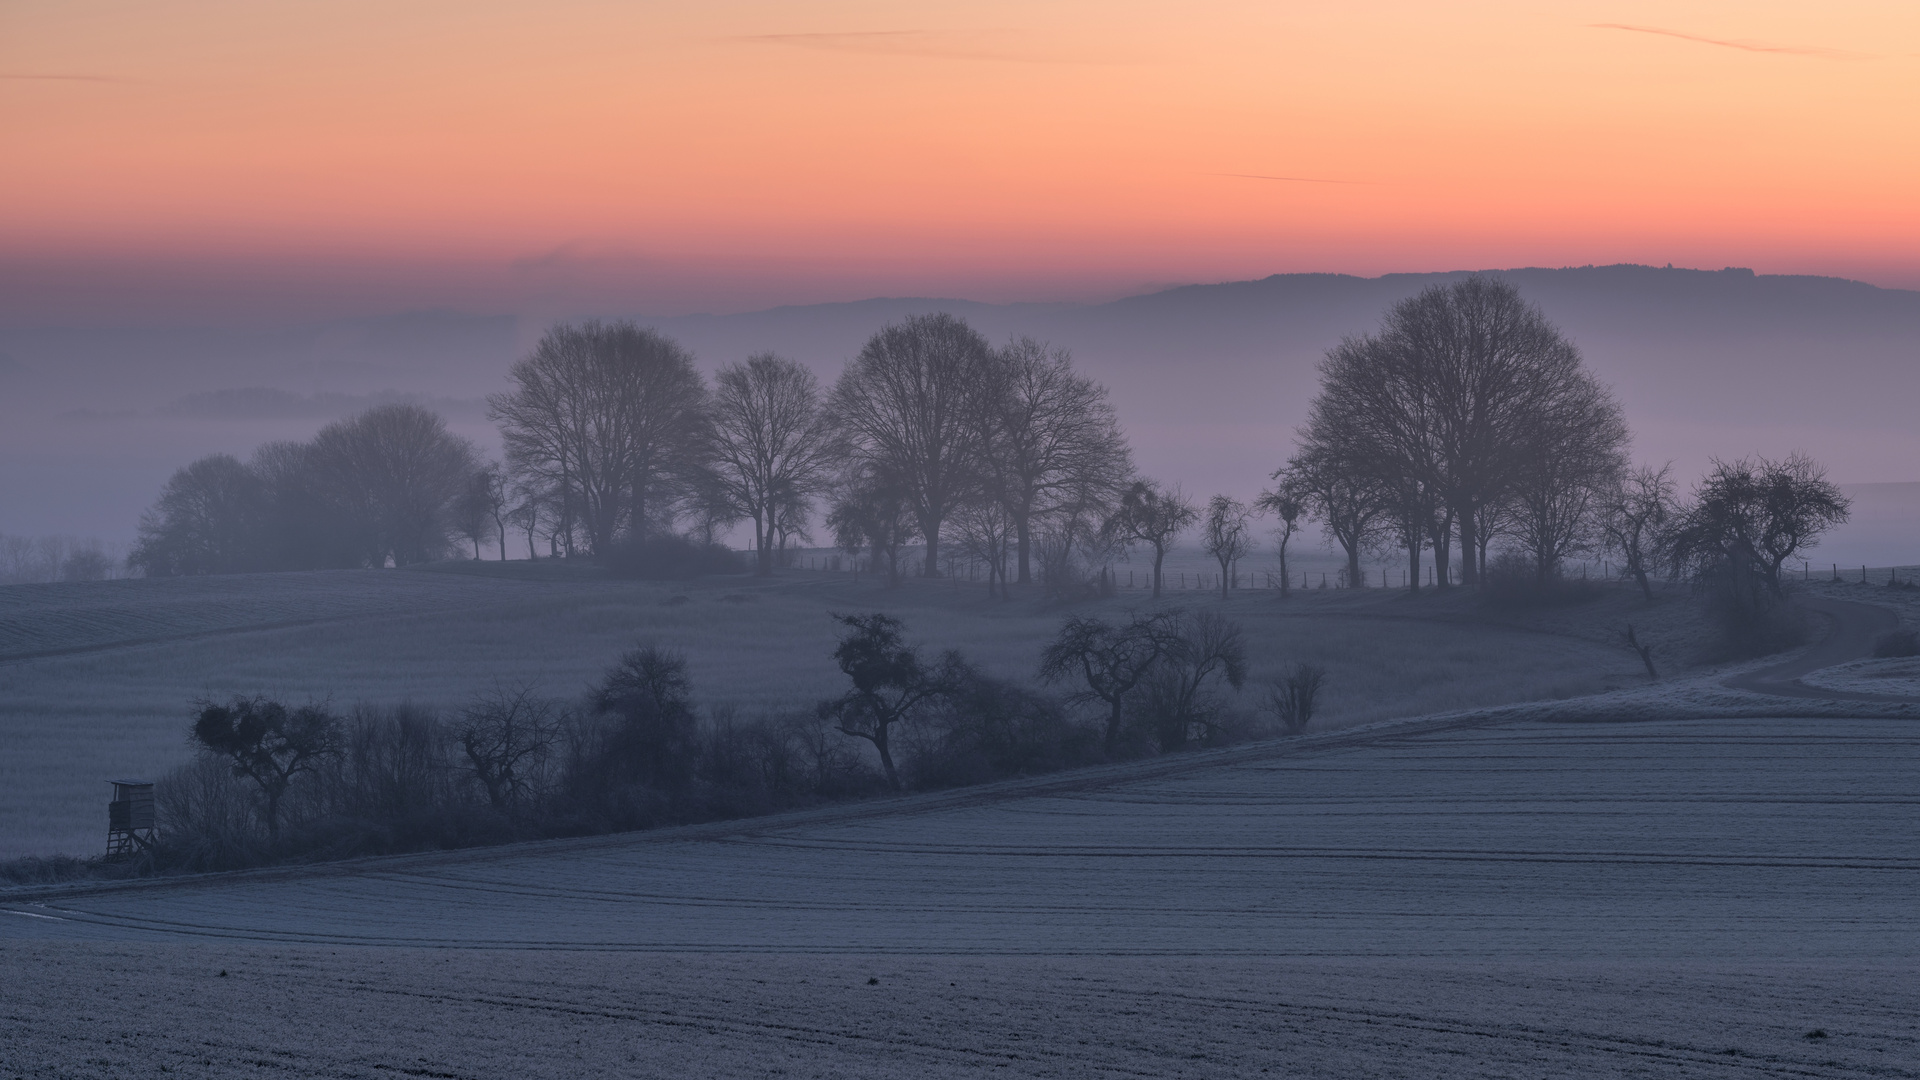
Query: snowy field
1448, 898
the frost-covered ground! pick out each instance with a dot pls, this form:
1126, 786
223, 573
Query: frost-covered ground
1472, 896
1896, 677
146, 1010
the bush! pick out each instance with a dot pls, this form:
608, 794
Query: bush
666, 557
1513, 581
1753, 618
1294, 699
989, 729
1897, 643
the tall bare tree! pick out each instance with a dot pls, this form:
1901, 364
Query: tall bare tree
1573, 460
910, 404
1459, 392
1148, 515
1227, 534
612, 417
400, 470
772, 446
1634, 520
1349, 501
1112, 660
1052, 441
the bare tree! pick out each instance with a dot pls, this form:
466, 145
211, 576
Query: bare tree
891, 683
1576, 457
507, 734
1351, 502
1756, 514
988, 533
1051, 441
399, 470
1112, 660
1461, 389
1634, 521
1147, 515
1227, 535
1203, 649
611, 417
268, 743
477, 510
871, 512
1287, 504
772, 446
910, 405
207, 521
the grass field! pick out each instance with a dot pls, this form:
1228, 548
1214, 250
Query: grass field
96, 680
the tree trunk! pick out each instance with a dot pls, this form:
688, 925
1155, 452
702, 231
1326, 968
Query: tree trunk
1286, 583
1223, 579
762, 539
1413, 565
886, 755
1443, 553
1159, 556
1022, 529
931, 529
1113, 726
1353, 567
1469, 537
1640, 575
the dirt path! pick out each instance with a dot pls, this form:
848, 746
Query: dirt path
1854, 628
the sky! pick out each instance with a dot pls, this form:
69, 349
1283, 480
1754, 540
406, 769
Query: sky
233, 161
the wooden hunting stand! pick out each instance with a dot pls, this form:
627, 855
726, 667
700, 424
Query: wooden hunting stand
130, 825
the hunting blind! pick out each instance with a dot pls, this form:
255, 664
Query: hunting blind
130, 817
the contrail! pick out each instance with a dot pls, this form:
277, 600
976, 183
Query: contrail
1743, 46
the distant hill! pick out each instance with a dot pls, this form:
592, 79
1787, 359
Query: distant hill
1209, 379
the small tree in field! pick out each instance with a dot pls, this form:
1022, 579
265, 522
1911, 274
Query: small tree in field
1113, 660
1635, 519
1758, 514
1293, 699
1289, 506
891, 683
507, 735
1226, 536
1203, 650
1150, 516
268, 743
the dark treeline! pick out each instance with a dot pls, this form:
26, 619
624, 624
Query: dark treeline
1465, 436
377, 489
931, 439
273, 782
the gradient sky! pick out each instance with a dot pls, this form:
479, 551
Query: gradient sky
227, 159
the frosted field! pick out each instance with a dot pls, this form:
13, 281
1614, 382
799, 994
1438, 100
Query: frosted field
97, 680
1448, 898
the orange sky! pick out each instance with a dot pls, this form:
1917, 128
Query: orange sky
728, 154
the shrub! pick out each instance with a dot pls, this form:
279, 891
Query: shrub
989, 729
1514, 581
666, 557
1897, 643
1292, 700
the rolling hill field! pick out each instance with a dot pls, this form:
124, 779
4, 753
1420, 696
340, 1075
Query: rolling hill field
97, 680
1445, 898
1709, 876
